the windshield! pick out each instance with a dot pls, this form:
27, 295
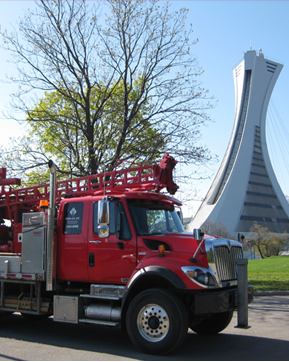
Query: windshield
154, 218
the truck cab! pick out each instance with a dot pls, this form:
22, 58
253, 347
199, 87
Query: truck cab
138, 224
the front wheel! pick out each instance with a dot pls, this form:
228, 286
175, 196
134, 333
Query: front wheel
213, 324
157, 321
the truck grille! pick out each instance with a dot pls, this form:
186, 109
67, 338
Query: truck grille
225, 261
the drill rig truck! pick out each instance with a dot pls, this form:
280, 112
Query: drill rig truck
110, 249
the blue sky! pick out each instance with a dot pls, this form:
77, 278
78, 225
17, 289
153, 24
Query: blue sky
226, 30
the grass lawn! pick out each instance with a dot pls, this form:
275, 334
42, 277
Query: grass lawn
269, 274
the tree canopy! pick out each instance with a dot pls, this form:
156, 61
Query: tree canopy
113, 80
54, 130
219, 229
266, 243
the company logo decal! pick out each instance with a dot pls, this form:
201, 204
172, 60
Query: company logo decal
73, 212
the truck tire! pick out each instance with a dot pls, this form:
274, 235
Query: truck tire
157, 321
213, 324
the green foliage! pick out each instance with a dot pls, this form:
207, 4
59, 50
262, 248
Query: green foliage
64, 137
126, 89
266, 243
269, 274
217, 230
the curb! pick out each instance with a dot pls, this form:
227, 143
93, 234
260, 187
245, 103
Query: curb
271, 293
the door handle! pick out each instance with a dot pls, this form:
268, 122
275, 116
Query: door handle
91, 259
95, 241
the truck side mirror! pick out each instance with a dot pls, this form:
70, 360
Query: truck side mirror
103, 231
103, 213
103, 219
198, 234
241, 238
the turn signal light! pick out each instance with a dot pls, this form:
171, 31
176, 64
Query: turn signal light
161, 250
192, 274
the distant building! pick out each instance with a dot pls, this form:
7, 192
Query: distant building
245, 189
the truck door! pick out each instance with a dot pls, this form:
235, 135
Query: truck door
111, 260
72, 240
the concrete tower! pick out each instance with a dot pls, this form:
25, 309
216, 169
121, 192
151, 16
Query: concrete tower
245, 189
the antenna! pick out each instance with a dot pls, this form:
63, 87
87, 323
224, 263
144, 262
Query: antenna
250, 44
104, 180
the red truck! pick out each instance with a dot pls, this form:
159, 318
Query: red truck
110, 249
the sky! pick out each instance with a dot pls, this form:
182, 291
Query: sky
225, 30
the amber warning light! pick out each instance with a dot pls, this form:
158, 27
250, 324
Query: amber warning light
44, 204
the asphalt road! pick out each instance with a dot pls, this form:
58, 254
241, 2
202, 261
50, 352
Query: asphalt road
266, 339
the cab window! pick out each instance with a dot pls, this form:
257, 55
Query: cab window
122, 225
154, 218
118, 220
72, 223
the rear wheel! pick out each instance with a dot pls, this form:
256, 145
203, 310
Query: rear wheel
213, 324
157, 321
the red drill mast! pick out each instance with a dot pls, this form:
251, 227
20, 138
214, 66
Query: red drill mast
142, 178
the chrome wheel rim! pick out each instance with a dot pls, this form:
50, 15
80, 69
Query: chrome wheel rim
153, 323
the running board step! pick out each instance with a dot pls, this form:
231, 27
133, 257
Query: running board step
99, 322
100, 291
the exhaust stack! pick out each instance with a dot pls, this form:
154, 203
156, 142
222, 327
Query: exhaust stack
50, 227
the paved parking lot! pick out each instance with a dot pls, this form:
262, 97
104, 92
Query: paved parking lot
267, 339
268, 335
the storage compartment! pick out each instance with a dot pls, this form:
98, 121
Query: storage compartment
33, 243
65, 309
10, 264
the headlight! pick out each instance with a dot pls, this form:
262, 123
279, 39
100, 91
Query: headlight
207, 278
201, 276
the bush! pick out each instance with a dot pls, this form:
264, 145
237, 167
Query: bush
265, 242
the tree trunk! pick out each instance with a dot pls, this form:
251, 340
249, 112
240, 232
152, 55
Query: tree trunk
260, 252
